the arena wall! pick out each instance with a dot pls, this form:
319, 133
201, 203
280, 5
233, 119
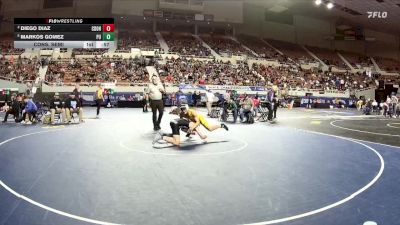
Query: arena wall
246, 18
278, 31
315, 32
252, 20
129, 7
225, 11
386, 45
10, 84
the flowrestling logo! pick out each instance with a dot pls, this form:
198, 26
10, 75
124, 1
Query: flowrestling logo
377, 15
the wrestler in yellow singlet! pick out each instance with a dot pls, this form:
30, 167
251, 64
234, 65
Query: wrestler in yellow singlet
198, 119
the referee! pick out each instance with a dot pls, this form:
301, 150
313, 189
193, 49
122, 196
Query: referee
156, 91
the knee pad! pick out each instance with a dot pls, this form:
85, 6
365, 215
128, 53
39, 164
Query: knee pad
174, 128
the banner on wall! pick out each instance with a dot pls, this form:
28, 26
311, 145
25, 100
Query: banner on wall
347, 102
88, 98
221, 87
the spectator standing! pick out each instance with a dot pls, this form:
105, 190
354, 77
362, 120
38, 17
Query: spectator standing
156, 91
78, 93
270, 98
276, 103
395, 102
256, 104
98, 98
178, 97
375, 107
196, 98
146, 102
290, 102
359, 104
209, 101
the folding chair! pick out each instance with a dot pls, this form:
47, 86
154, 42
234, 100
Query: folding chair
221, 116
57, 118
215, 112
263, 113
41, 113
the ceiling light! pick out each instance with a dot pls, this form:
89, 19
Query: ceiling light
329, 5
318, 2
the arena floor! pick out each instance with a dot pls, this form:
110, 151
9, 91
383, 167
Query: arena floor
311, 167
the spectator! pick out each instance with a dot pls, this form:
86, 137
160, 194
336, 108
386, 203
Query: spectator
98, 97
230, 107
173, 99
185, 44
14, 109
276, 103
375, 107
56, 106
146, 102
77, 92
29, 111
395, 102
269, 102
196, 98
209, 101
72, 105
256, 105
246, 108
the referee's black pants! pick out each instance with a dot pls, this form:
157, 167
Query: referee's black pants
269, 106
157, 105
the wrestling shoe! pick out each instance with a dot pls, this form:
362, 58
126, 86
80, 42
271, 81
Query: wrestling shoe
157, 127
224, 126
157, 138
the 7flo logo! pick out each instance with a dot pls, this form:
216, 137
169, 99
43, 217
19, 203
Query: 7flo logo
378, 15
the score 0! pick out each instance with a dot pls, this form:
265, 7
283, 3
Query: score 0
108, 27
108, 32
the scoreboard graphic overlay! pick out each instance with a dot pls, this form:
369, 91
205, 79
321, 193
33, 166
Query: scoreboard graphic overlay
64, 33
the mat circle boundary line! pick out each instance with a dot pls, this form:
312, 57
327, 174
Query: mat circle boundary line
325, 208
332, 123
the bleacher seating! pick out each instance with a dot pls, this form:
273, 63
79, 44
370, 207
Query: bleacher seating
89, 51
142, 39
388, 65
291, 50
329, 57
19, 69
189, 71
185, 44
96, 70
90, 71
7, 48
357, 60
259, 47
225, 45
